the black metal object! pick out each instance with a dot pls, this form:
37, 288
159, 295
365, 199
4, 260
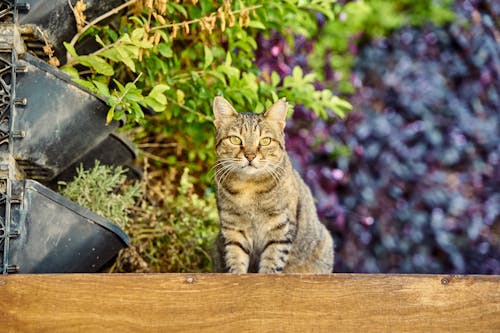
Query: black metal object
55, 19
52, 234
57, 124
48, 125
115, 150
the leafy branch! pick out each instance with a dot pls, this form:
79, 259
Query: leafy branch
95, 21
185, 54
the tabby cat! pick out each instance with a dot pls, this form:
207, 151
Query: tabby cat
268, 221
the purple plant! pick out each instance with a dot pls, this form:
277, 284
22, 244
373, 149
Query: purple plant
420, 190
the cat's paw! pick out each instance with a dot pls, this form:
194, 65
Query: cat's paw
237, 270
271, 270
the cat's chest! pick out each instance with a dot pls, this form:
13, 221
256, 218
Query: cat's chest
249, 195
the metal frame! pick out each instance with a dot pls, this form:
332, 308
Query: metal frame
8, 69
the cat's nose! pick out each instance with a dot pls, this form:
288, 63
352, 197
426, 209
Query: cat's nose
249, 156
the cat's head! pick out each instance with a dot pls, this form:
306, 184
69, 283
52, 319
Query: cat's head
249, 144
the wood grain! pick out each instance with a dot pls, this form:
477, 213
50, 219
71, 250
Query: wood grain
249, 303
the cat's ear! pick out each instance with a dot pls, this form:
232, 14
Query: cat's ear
277, 112
222, 110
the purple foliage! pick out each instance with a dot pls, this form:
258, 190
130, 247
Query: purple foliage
420, 192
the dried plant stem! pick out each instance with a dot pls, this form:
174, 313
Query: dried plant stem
182, 24
97, 20
157, 145
201, 115
155, 157
120, 98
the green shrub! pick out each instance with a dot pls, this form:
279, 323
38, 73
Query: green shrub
174, 58
102, 189
171, 228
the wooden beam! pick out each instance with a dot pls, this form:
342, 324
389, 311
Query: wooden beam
249, 303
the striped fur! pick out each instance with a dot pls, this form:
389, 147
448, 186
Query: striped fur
268, 221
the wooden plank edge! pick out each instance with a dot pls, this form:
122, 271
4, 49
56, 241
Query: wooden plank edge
249, 303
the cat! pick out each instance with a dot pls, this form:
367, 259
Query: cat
268, 220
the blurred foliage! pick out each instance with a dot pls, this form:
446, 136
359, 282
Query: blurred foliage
336, 43
420, 192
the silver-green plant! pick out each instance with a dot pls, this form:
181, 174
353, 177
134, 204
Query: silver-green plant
103, 190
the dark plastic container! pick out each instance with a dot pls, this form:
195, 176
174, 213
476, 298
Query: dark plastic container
55, 235
115, 150
60, 122
57, 22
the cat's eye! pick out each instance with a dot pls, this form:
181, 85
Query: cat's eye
235, 140
265, 141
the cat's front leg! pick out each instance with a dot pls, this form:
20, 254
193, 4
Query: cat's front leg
276, 251
236, 249
236, 257
275, 258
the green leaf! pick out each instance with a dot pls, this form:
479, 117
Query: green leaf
180, 96
157, 93
110, 115
179, 8
71, 49
137, 39
111, 54
165, 50
124, 57
275, 79
113, 101
100, 41
154, 104
257, 25
219, 76
309, 78
119, 85
97, 63
71, 71
85, 84
232, 73
275, 97
209, 57
137, 34
101, 88
297, 73
136, 111
229, 59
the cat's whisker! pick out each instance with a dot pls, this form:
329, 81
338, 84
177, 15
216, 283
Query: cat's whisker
219, 172
277, 174
221, 166
224, 173
275, 170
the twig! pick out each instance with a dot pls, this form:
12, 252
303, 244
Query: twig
189, 109
47, 49
198, 20
97, 20
157, 145
107, 47
120, 98
155, 157
79, 17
